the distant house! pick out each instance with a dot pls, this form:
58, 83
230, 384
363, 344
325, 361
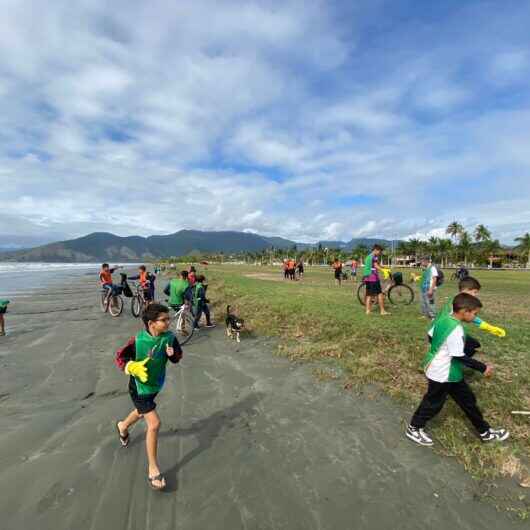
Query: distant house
405, 261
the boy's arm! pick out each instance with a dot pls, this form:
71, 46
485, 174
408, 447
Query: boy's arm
177, 356
455, 346
494, 330
125, 354
167, 292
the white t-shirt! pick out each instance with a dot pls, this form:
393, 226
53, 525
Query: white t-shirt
439, 368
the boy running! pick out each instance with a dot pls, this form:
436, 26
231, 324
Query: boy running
371, 280
444, 369
428, 284
144, 359
3, 311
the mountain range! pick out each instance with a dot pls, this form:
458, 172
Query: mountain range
103, 246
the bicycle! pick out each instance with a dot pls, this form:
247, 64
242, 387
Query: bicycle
182, 323
138, 301
398, 293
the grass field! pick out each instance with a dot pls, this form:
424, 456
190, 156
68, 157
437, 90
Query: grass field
317, 321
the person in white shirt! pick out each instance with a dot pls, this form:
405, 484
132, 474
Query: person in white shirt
444, 368
428, 285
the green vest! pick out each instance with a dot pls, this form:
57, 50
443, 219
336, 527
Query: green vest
368, 265
3, 303
177, 288
155, 348
446, 311
443, 327
198, 291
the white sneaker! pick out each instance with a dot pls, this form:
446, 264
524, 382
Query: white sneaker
495, 435
418, 435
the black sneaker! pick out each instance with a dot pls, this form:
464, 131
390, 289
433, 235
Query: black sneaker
495, 435
418, 435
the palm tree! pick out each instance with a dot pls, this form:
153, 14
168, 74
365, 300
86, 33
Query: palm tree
524, 247
445, 246
454, 229
465, 245
482, 234
489, 249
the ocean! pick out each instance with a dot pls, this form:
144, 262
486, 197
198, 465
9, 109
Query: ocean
20, 279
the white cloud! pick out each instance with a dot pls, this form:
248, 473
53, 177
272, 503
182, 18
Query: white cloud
259, 116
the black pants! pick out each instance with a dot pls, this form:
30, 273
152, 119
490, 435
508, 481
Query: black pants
202, 308
435, 398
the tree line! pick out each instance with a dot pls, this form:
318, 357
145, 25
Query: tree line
461, 246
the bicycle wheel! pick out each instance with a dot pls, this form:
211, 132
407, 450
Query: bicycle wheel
104, 303
136, 306
183, 326
401, 295
116, 306
361, 293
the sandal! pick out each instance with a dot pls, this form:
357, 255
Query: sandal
159, 478
124, 439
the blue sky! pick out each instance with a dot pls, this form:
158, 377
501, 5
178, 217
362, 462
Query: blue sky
307, 120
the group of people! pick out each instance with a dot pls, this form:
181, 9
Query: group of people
291, 268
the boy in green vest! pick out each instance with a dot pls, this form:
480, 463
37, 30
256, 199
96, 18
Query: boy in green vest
371, 280
144, 359
470, 285
3, 311
176, 290
200, 303
444, 368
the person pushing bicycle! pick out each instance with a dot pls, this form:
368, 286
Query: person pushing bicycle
371, 280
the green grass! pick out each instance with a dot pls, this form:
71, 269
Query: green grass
317, 321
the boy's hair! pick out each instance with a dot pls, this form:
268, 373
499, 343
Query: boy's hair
192, 269
105, 265
152, 312
377, 247
201, 278
184, 275
466, 302
469, 283
142, 267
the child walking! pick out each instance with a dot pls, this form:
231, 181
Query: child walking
144, 359
444, 368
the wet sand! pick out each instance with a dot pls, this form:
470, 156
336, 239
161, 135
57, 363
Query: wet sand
248, 440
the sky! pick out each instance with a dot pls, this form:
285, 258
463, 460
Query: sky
309, 120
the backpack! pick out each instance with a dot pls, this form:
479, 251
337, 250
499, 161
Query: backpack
440, 278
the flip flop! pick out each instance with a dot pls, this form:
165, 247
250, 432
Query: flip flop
152, 479
124, 440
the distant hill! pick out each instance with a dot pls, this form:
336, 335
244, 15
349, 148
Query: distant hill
103, 246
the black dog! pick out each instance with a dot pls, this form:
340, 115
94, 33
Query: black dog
234, 325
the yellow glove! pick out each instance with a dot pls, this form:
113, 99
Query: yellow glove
386, 273
494, 330
137, 369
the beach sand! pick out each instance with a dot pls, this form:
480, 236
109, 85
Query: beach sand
248, 440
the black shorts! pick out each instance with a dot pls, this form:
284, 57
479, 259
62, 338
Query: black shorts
3, 310
373, 288
338, 274
143, 403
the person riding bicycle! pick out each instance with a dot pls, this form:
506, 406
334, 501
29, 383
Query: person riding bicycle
371, 280
105, 278
146, 281
177, 289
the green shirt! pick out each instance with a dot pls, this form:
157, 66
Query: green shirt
3, 303
155, 348
177, 288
